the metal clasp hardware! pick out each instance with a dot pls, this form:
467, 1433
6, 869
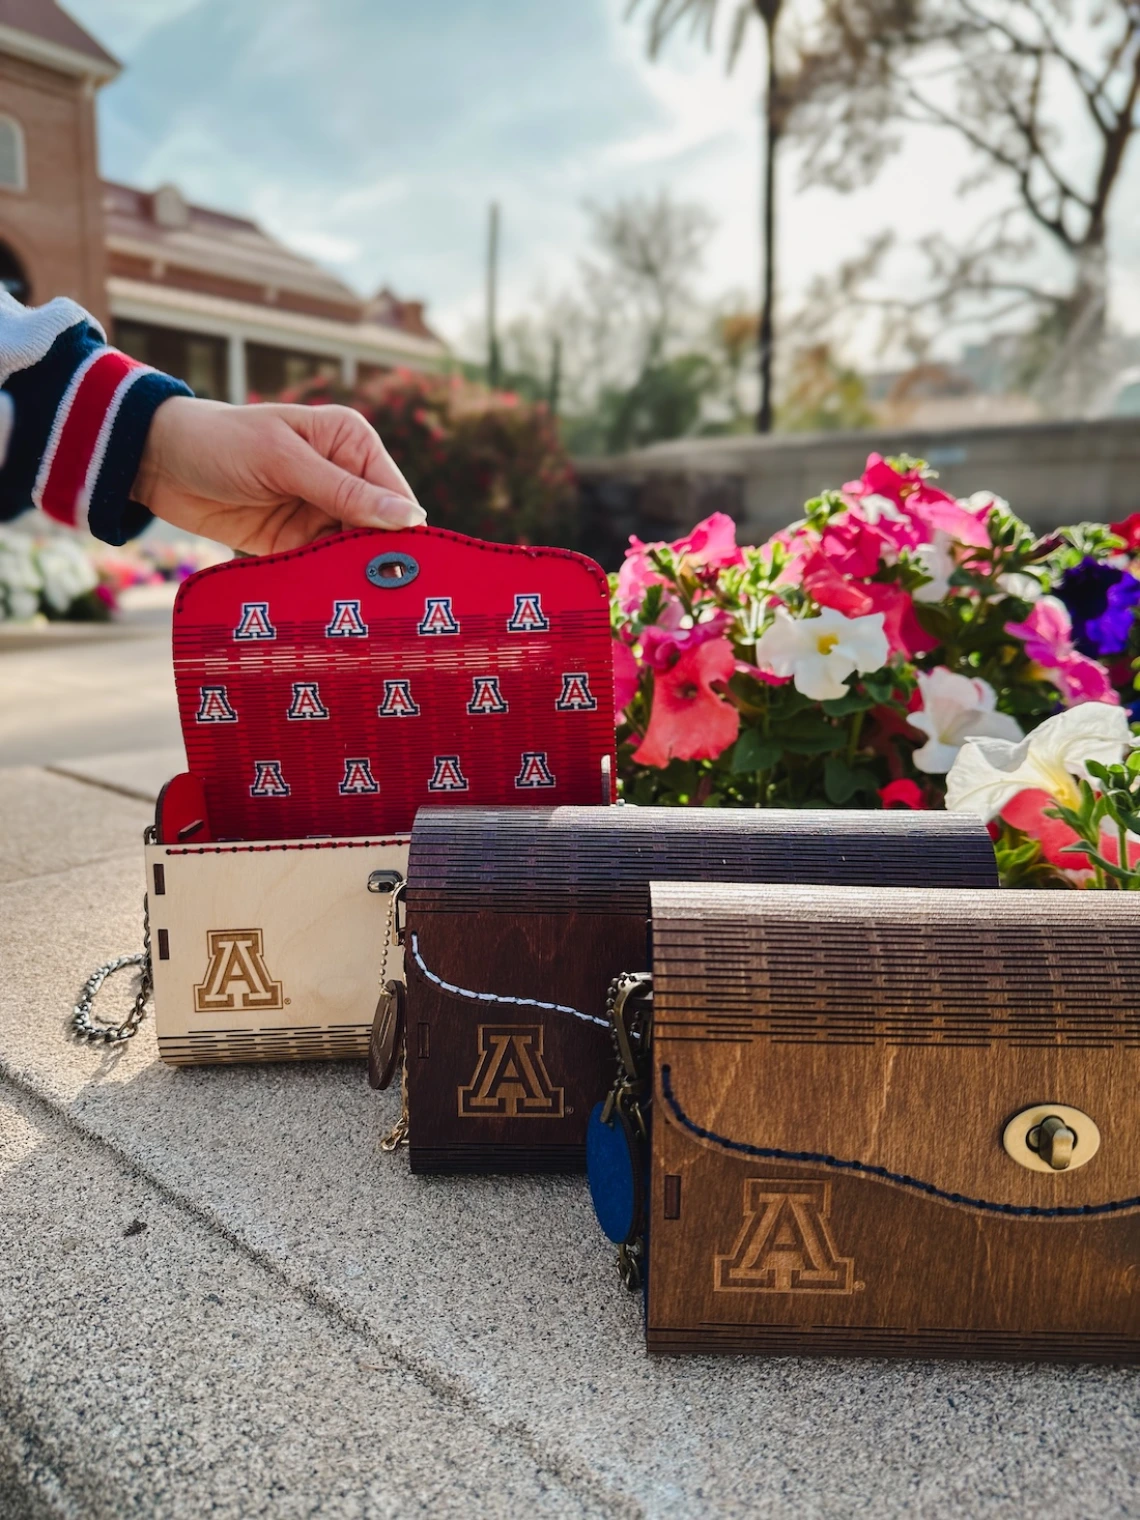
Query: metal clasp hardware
392, 881
1051, 1137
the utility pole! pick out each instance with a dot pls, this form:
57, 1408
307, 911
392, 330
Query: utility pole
493, 363
769, 11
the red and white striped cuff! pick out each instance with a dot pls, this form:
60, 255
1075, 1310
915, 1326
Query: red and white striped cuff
77, 444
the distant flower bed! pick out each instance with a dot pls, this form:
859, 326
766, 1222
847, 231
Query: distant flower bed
57, 575
482, 462
893, 636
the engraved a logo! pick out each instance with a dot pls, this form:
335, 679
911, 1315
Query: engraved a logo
438, 617
346, 622
528, 616
576, 695
254, 622
511, 1080
785, 1243
398, 700
486, 696
214, 706
236, 976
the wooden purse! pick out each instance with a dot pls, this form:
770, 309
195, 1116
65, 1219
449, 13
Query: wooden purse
325, 694
518, 919
881, 1122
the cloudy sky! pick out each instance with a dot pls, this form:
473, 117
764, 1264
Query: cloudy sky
372, 134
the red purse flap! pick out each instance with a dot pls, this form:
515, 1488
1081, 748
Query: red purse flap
337, 688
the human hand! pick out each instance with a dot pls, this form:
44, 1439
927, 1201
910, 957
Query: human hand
263, 478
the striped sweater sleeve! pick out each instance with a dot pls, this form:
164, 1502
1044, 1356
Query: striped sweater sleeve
74, 416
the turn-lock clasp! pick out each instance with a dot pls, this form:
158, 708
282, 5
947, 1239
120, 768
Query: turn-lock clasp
1051, 1137
1053, 1141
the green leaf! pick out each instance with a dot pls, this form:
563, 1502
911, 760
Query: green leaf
879, 687
852, 702
1133, 761
841, 781
752, 752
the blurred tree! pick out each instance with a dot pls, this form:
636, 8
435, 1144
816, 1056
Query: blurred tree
664, 17
823, 396
1045, 93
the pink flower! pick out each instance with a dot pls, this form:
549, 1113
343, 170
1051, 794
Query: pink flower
1047, 636
710, 546
661, 644
853, 545
919, 500
902, 794
626, 677
689, 721
905, 634
1026, 812
825, 585
1128, 530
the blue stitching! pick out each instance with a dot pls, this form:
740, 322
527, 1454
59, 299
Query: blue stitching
496, 997
816, 1158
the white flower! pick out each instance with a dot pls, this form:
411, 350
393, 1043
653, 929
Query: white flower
1027, 588
983, 501
67, 572
935, 559
988, 773
954, 709
873, 507
20, 581
819, 653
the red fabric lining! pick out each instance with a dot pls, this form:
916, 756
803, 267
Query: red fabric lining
486, 712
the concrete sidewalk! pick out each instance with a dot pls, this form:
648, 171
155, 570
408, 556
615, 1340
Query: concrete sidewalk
218, 1297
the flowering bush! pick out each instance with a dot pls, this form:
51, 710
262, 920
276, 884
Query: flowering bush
482, 462
848, 661
50, 576
59, 575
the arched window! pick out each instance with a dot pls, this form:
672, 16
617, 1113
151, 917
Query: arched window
12, 168
12, 276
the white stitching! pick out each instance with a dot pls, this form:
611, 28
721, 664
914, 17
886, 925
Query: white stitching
495, 997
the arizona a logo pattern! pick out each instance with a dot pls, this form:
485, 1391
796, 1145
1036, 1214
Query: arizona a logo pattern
510, 1076
268, 780
236, 976
346, 622
576, 694
358, 778
214, 706
528, 616
438, 617
306, 702
784, 1244
398, 701
534, 770
486, 696
447, 776
254, 622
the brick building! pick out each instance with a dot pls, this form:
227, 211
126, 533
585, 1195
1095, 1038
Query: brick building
206, 296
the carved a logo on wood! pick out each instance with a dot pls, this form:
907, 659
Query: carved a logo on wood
511, 1080
236, 976
785, 1244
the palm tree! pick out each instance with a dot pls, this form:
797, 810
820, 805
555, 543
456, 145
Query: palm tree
664, 18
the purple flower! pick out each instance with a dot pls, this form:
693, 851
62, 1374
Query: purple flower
1101, 600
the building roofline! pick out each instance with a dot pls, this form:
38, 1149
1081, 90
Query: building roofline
140, 301
54, 55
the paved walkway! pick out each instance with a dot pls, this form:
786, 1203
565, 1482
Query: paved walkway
218, 1297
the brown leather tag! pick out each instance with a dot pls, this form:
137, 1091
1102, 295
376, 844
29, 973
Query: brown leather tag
387, 1037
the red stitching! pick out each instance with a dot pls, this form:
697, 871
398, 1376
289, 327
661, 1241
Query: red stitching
300, 844
526, 550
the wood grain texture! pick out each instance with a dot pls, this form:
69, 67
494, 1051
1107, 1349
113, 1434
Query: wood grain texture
862, 1031
273, 951
550, 904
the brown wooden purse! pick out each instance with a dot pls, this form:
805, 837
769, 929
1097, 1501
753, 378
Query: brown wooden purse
518, 919
889, 1122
